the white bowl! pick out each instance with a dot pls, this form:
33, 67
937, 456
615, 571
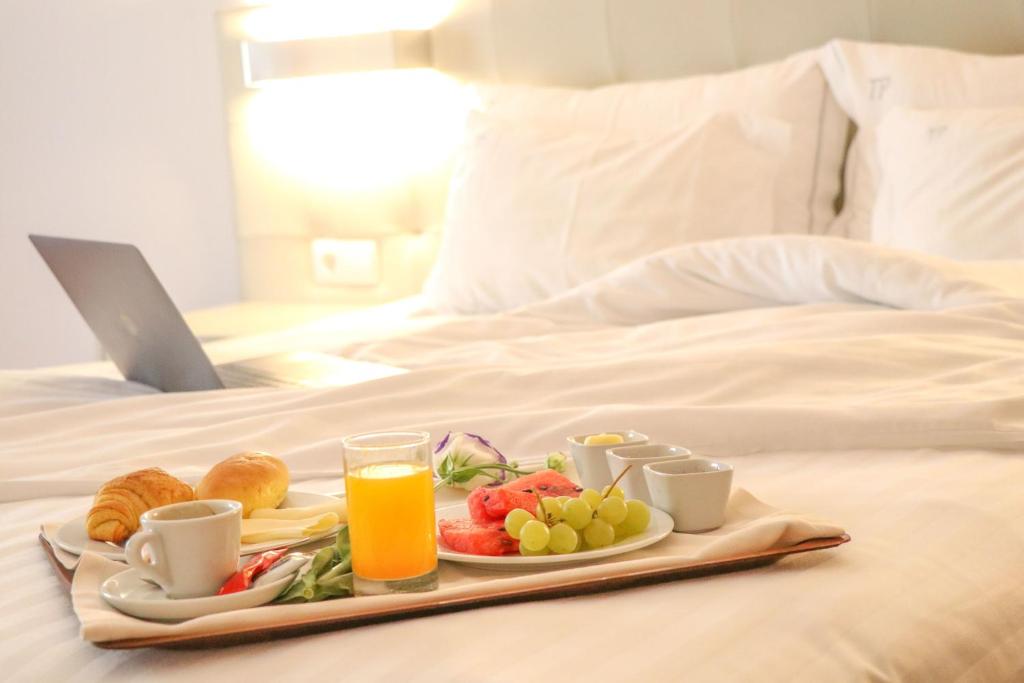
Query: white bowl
633, 483
693, 491
591, 463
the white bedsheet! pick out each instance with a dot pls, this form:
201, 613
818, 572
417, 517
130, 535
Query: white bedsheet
881, 390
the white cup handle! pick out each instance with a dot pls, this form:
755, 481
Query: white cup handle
155, 570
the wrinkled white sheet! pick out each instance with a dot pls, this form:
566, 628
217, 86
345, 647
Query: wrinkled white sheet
880, 389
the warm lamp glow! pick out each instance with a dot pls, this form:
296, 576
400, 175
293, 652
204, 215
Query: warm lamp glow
359, 131
297, 19
340, 371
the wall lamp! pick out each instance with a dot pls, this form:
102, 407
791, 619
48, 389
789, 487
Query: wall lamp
264, 62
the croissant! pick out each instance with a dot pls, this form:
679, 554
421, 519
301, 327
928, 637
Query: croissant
120, 502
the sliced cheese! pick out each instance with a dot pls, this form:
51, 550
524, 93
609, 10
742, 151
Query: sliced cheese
338, 507
263, 530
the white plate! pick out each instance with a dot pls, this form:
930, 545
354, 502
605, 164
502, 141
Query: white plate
659, 528
73, 537
128, 592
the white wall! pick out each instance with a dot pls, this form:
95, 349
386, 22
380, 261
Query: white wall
111, 127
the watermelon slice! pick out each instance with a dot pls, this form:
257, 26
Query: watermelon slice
467, 536
547, 482
485, 533
475, 502
488, 504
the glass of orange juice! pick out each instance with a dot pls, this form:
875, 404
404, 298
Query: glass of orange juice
390, 490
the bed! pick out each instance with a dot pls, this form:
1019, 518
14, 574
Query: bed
865, 381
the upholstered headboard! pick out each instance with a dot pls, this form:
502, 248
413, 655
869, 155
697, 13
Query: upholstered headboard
594, 42
555, 42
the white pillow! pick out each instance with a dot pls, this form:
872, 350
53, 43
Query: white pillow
869, 79
533, 212
793, 90
952, 182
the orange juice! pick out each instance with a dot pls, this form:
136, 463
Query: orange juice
391, 520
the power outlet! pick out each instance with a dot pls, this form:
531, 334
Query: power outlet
341, 263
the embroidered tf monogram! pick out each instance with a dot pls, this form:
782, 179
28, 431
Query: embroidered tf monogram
877, 87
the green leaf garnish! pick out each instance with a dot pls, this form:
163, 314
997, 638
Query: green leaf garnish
329, 575
456, 468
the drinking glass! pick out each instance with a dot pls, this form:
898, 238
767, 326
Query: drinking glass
390, 489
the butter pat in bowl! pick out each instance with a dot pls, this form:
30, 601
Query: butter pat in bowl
588, 452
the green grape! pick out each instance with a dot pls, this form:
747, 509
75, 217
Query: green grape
599, 533
563, 539
615, 492
552, 507
577, 513
592, 497
638, 517
612, 510
532, 553
620, 532
515, 520
562, 500
534, 535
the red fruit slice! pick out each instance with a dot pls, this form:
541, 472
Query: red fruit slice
467, 536
475, 502
547, 482
521, 493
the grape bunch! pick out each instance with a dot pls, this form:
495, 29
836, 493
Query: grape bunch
566, 525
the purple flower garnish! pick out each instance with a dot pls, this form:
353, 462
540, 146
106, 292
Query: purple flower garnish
469, 460
485, 442
442, 443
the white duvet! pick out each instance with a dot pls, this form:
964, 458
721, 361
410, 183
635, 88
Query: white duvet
877, 388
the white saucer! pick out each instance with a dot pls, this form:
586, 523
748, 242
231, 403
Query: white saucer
659, 528
128, 592
73, 537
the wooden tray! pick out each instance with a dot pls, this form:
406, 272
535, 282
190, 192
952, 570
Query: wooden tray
564, 588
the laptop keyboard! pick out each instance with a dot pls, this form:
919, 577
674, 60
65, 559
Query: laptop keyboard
240, 377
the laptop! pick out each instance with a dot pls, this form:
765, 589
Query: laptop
144, 333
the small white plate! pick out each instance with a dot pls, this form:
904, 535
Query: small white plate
659, 528
128, 592
73, 537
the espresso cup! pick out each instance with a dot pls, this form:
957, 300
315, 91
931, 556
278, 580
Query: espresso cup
193, 547
591, 461
633, 483
694, 492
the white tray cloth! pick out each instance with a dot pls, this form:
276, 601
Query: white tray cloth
751, 526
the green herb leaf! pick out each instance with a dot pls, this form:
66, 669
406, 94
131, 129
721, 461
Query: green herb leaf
329, 574
460, 474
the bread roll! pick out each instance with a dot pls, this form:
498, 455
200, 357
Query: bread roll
256, 480
120, 502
